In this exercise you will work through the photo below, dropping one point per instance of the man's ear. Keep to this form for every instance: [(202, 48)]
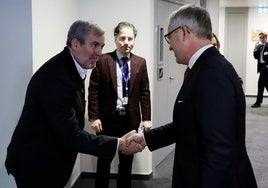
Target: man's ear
[(75, 43)]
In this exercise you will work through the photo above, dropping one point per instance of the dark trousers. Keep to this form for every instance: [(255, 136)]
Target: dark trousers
[(118, 127), (262, 83), (124, 171)]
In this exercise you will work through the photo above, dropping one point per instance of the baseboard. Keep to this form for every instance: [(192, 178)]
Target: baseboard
[(264, 96), (113, 176), (251, 96)]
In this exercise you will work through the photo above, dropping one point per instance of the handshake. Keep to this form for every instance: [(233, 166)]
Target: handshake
[(131, 143)]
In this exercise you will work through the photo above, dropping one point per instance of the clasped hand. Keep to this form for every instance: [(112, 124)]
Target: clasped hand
[(131, 143)]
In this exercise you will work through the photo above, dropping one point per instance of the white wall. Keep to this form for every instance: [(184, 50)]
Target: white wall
[(49, 37), (15, 71), (51, 22), (33, 33), (255, 21), (213, 8), (140, 13)]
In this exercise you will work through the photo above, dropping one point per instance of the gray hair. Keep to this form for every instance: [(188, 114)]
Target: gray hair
[(195, 18), (81, 29), (121, 25)]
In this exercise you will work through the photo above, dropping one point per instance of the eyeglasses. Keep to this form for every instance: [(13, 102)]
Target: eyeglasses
[(167, 36)]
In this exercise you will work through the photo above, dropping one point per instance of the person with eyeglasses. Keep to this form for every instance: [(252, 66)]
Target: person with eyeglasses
[(261, 68), (208, 124), (119, 100)]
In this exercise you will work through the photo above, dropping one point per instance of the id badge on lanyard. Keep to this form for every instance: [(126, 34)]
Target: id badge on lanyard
[(125, 78), (125, 100)]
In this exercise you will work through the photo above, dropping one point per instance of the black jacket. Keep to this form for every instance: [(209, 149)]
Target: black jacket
[(208, 128), (50, 132)]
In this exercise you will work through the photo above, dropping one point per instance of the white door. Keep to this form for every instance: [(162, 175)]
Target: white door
[(166, 88), (236, 20)]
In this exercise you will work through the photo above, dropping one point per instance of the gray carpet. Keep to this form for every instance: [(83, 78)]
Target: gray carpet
[(257, 140), (257, 145)]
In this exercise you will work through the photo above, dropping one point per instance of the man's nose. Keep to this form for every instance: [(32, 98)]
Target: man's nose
[(126, 41), (98, 51)]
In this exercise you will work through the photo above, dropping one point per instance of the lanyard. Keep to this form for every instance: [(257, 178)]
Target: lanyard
[(125, 76)]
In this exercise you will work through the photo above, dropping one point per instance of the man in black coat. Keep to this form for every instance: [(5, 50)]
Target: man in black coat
[(49, 134), (209, 113), (262, 69)]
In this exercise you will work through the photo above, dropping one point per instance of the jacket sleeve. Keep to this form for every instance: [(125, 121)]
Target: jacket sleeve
[(256, 52), (93, 93), (160, 137), (145, 95), (65, 113)]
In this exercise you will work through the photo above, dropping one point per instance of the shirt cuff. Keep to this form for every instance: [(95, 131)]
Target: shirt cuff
[(117, 145), (144, 138)]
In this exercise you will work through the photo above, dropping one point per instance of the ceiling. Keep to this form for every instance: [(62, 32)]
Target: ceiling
[(244, 3), (227, 3)]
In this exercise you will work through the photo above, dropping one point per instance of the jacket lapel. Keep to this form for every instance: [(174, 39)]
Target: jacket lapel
[(133, 70), (112, 69)]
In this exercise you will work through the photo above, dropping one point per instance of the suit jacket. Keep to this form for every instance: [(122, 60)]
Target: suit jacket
[(103, 90), (208, 128), (265, 53), (50, 131), (256, 53)]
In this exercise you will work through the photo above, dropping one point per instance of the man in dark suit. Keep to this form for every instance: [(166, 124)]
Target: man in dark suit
[(50, 133), (209, 113), (265, 69), (261, 68), (119, 98)]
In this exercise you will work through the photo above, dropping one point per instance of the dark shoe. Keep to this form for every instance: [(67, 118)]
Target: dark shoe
[(256, 105)]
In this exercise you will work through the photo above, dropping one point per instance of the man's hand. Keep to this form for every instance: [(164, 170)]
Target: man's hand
[(146, 125), (96, 125), (136, 138), (131, 147)]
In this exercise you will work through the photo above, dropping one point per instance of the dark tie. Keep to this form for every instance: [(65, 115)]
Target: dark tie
[(125, 77), (186, 72)]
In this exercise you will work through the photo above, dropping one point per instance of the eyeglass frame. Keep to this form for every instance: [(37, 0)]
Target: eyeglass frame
[(166, 36)]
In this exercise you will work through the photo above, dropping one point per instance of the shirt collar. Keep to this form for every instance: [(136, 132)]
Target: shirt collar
[(197, 55), (82, 72), (119, 55)]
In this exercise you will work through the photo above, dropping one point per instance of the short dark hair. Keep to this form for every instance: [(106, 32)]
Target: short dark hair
[(121, 25), (262, 33)]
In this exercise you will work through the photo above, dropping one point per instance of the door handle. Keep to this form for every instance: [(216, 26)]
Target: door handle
[(171, 78)]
